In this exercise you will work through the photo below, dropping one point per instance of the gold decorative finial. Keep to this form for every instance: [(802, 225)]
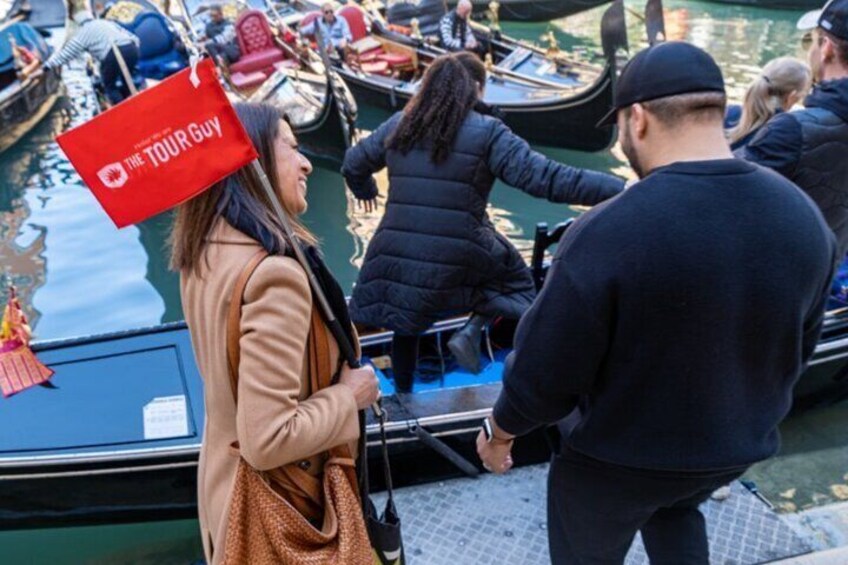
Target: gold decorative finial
[(416, 29), (494, 16), (488, 62), (553, 44)]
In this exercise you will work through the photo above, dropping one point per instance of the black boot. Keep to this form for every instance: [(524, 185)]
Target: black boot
[(465, 343)]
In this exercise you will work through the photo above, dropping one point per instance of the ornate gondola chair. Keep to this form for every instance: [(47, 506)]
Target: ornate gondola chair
[(545, 238), (159, 52), (260, 54), (373, 55)]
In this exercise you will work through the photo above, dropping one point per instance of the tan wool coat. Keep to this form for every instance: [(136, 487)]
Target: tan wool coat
[(275, 423)]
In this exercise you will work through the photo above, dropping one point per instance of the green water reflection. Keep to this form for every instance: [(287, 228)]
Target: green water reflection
[(80, 275)]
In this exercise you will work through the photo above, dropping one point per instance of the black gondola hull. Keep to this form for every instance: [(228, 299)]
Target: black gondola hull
[(531, 11), (23, 110), (156, 479), (566, 123)]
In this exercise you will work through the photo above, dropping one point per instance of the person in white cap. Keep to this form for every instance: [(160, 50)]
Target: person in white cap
[(809, 146)]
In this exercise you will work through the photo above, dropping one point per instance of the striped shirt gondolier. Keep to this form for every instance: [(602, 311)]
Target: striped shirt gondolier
[(95, 37), (446, 30)]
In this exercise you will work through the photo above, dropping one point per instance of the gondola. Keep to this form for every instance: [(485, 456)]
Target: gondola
[(116, 436), (536, 11), (775, 4), (319, 105), (549, 100), (24, 101)]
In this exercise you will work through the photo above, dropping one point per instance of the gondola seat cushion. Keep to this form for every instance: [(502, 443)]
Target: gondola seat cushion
[(395, 60), (375, 67), (158, 53), (355, 17), (256, 42), (243, 81), (258, 61)]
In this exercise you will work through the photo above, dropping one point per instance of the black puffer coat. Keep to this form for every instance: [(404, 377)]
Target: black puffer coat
[(436, 253)]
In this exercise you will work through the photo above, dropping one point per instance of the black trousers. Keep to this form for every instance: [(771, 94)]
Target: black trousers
[(114, 84), (595, 510), (404, 361)]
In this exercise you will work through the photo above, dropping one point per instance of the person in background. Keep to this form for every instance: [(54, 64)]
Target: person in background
[(809, 146), (436, 253), (220, 34), (656, 324), (278, 420), (783, 82), (97, 37), (335, 31), (455, 31)]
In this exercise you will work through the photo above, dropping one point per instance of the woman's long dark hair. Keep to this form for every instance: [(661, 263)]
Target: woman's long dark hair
[(437, 110), (239, 198)]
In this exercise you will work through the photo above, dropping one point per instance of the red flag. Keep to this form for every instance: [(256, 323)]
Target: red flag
[(161, 147)]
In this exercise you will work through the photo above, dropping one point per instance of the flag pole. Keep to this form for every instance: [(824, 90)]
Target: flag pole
[(345, 346)]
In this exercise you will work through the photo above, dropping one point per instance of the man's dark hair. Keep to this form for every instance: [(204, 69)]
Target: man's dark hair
[(692, 107), (841, 46), (437, 111)]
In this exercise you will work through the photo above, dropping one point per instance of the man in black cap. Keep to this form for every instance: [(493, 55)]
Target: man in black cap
[(809, 146), (657, 324)]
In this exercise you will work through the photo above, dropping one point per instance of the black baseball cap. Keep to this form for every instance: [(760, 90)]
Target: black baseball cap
[(833, 18), (665, 69)]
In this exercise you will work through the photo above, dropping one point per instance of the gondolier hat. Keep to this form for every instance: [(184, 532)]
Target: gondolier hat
[(833, 18), (665, 69)]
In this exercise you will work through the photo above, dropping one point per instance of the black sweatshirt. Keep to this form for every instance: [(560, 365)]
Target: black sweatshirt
[(678, 315)]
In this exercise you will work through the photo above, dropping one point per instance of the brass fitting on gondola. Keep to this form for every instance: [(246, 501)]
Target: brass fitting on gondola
[(488, 62), (494, 15), (553, 45), (416, 29)]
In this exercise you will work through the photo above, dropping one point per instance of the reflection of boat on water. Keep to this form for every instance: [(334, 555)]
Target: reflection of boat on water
[(24, 100), (551, 100), (134, 457)]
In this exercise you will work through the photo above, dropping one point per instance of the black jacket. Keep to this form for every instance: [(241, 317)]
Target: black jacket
[(679, 316), (435, 252), (809, 147)]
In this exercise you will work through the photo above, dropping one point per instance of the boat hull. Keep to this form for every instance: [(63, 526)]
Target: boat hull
[(567, 122), (64, 472), (23, 110), (775, 4), (529, 11)]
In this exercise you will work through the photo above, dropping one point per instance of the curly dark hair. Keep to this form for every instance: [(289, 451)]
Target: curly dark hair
[(473, 65), (437, 110)]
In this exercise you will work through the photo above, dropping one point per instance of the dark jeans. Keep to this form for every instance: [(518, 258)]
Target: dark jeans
[(114, 83), (404, 361), (229, 52), (596, 508)]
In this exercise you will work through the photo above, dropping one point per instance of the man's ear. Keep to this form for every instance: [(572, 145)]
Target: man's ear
[(638, 121), (828, 49)]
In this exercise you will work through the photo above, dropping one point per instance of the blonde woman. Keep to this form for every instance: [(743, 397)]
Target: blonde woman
[(784, 82)]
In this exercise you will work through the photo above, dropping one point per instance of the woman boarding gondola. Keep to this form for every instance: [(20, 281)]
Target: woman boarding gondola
[(436, 253)]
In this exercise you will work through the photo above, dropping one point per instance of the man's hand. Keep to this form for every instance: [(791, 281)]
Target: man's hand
[(472, 44), (496, 454), (368, 205)]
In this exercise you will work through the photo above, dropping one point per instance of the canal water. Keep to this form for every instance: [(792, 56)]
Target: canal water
[(79, 275)]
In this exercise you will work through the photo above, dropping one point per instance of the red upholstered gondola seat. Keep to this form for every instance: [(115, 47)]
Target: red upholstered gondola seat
[(243, 81), (256, 42), (370, 54)]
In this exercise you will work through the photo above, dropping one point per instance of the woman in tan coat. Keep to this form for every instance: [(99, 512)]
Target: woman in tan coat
[(277, 420)]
